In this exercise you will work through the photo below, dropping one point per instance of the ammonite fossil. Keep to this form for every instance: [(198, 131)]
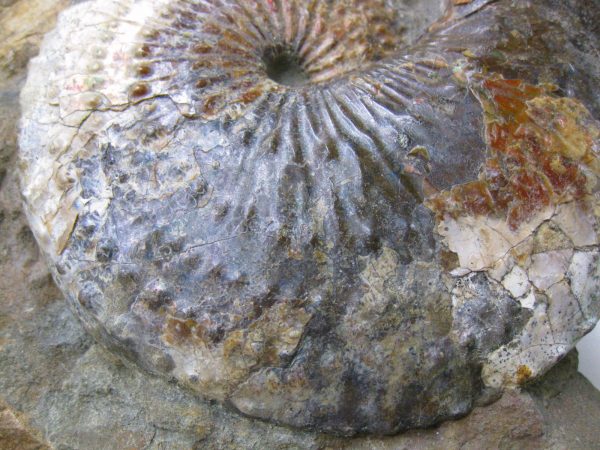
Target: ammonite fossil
[(356, 216)]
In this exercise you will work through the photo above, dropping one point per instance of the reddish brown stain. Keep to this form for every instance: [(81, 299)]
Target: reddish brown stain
[(202, 49), (185, 331), (177, 331), (144, 70), (139, 90), (538, 147), (143, 51), (523, 374), (251, 95), (202, 83), (210, 104)]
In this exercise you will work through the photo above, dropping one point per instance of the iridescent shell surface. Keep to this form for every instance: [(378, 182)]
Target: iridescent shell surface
[(355, 216)]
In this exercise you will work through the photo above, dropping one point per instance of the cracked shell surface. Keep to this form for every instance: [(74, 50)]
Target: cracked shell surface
[(356, 217)]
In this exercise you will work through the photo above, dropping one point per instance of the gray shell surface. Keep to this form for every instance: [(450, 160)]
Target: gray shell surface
[(352, 216)]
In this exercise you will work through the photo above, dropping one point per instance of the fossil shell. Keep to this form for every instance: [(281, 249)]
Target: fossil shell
[(352, 216)]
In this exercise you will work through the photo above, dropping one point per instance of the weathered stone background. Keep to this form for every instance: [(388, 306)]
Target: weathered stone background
[(60, 390)]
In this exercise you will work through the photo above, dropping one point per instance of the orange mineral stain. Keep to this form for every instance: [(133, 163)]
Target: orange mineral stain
[(540, 153)]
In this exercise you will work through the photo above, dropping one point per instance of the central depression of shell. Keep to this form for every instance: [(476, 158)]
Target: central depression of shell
[(305, 211), (223, 56)]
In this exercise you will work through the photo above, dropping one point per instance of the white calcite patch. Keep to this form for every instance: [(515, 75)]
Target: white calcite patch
[(577, 223), (527, 356), (529, 300), (516, 282), (564, 296), (564, 313), (377, 278), (549, 268), (584, 274), (481, 241), (559, 284), (501, 268)]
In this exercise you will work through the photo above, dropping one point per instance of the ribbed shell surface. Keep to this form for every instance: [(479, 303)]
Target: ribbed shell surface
[(352, 216)]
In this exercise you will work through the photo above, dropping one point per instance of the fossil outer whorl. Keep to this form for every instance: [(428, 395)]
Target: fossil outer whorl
[(307, 211)]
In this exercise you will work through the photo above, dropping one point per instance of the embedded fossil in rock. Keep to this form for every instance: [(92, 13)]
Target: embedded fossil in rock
[(351, 216)]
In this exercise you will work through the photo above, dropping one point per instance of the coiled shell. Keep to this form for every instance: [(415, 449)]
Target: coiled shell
[(354, 216)]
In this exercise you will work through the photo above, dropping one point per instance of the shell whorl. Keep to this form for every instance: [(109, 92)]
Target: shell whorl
[(257, 198)]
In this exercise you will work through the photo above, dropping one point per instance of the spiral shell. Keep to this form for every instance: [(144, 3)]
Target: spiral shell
[(352, 216)]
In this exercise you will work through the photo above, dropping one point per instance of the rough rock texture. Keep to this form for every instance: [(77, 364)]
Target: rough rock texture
[(16, 435), (306, 212)]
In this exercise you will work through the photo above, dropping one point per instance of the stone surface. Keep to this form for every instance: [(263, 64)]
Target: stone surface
[(14, 435), (63, 390), (310, 214)]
